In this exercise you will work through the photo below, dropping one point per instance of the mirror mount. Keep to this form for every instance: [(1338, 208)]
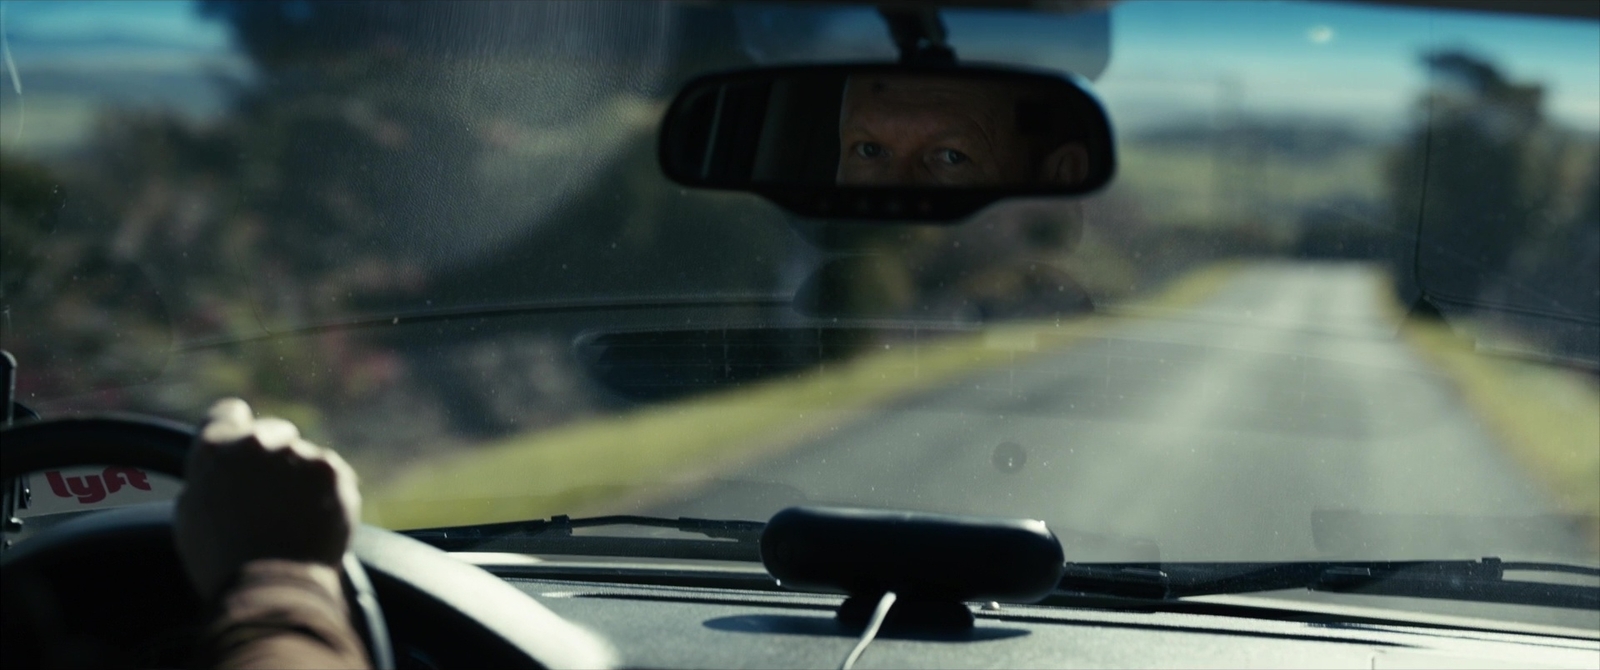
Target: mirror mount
[(919, 34)]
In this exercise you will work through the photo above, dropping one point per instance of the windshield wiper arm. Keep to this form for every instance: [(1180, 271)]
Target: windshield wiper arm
[(1479, 581), (726, 539)]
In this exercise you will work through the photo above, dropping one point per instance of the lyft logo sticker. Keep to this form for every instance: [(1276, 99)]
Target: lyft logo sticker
[(95, 487)]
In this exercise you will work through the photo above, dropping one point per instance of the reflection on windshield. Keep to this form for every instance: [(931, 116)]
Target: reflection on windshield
[(445, 250)]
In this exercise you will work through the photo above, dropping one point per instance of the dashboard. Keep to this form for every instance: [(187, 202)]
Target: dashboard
[(707, 627), (131, 606)]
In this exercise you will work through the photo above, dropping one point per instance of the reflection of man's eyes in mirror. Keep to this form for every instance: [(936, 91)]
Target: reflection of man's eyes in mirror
[(947, 131), (952, 157), (941, 156), (943, 164), (869, 150)]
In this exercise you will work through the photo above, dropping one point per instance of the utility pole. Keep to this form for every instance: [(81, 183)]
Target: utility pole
[(1224, 196)]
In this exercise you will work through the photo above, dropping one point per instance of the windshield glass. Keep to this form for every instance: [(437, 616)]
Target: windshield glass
[(435, 236)]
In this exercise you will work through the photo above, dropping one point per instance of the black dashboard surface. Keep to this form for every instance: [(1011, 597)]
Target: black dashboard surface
[(722, 614), (684, 627)]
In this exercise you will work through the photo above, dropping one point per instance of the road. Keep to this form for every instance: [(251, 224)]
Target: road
[(1218, 432)]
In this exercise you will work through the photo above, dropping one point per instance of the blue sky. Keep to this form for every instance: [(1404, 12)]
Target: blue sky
[(1168, 60), (172, 22), (1344, 59), (1183, 59), (139, 34)]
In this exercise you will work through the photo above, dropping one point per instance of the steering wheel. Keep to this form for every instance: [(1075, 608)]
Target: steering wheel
[(528, 634)]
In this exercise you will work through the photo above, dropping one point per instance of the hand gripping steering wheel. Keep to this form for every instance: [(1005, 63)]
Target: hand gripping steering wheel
[(449, 607), (158, 446)]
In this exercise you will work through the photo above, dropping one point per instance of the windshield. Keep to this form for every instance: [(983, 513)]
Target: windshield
[(435, 236)]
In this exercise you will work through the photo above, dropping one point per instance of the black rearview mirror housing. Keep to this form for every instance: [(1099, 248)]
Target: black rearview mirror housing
[(888, 141)]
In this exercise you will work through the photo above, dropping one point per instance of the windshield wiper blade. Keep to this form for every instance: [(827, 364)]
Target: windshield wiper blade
[(1478, 581), (726, 539)]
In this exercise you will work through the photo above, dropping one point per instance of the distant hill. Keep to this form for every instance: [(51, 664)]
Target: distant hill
[(1302, 138)]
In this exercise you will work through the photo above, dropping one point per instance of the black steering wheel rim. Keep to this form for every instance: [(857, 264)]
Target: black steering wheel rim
[(161, 446), (155, 444)]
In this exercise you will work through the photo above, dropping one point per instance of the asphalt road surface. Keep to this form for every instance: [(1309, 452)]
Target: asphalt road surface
[(1280, 420)]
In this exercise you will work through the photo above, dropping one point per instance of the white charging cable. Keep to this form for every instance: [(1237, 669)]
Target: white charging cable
[(878, 615)]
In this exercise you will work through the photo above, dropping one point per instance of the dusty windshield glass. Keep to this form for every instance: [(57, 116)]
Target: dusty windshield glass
[(435, 236)]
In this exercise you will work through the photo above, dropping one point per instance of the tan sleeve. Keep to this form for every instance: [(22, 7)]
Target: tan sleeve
[(279, 615)]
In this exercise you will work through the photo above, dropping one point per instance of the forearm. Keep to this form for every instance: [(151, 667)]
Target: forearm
[(282, 614)]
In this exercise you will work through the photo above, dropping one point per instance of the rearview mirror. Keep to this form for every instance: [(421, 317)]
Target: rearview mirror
[(888, 141)]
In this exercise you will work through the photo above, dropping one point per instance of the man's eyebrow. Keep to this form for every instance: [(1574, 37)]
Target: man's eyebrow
[(970, 131), (855, 128), (964, 134)]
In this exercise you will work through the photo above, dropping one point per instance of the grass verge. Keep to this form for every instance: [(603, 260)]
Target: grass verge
[(1547, 417), (565, 468)]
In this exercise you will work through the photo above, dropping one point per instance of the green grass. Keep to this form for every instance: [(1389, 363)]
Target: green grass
[(1182, 185), (1547, 417), (581, 464)]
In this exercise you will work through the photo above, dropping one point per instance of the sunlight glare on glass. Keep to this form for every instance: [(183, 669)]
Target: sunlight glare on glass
[(1320, 34)]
